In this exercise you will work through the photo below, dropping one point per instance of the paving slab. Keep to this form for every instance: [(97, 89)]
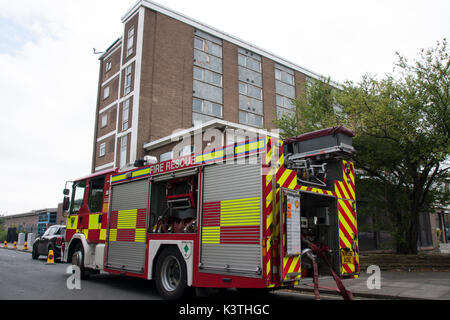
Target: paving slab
[(395, 285)]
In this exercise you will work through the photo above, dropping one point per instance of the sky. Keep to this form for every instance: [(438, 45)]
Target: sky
[(49, 72)]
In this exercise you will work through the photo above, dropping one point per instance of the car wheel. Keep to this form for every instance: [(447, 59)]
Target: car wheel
[(171, 275), (78, 260), (34, 253)]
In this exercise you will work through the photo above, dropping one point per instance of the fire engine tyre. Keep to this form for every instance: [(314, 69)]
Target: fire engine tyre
[(78, 260), (171, 275)]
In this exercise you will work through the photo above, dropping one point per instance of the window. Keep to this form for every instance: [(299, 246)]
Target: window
[(106, 93), (208, 47), (277, 74), (248, 62), (251, 107), (95, 200), (102, 149), (186, 150), (249, 90), (284, 76), (104, 120), (123, 151), (250, 119), (284, 102), (285, 90), (128, 79), (207, 76), (130, 42), (207, 107), (199, 118), (77, 196), (198, 43), (125, 113), (53, 220), (50, 231), (108, 65), (166, 156), (207, 73)]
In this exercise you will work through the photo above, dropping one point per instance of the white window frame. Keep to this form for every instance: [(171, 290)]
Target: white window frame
[(123, 150), (205, 47), (108, 65), (102, 150), (166, 156), (106, 93), (128, 73), (104, 120), (130, 41), (247, 118), (125, 114), (203, 108), (246, 63)]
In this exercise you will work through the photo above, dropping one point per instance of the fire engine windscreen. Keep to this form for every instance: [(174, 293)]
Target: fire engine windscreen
[(173, 206)]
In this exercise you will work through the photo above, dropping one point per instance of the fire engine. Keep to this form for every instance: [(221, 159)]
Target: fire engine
[(258, 213)]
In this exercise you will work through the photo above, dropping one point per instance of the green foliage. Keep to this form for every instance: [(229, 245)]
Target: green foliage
[(402, 132), (314, 109)]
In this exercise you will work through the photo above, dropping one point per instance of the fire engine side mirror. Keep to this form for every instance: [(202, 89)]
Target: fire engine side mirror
[(66, 192), (66, 203)]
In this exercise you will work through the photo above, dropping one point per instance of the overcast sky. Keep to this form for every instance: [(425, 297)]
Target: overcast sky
[(49, 74)]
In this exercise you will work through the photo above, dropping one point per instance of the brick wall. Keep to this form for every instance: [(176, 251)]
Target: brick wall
[(166, 78)]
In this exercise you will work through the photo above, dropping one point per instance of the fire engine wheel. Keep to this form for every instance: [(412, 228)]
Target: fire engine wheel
[(78, 260), (171, 274)]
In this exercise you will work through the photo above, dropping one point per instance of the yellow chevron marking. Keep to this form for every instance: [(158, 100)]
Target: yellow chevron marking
[(344, 239), (347, 228), (347, 211), (344, 193), (293, 182), (283, 177), (269, 199)]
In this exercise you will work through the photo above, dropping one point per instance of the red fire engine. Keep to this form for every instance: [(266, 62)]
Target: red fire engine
[(260, 213)]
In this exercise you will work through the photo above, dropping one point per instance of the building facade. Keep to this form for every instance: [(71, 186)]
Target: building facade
[(36, 221), (168, 72)]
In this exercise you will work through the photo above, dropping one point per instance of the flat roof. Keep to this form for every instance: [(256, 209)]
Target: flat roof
[(220, 34), (215, 123), (31, 213)]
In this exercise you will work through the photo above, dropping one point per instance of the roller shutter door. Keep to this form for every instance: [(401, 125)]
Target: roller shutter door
[(231, 219), (127, 226)]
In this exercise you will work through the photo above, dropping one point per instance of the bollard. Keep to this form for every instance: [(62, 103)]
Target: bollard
[(25, 247), (15, 245), (6, 244), (50, 257)]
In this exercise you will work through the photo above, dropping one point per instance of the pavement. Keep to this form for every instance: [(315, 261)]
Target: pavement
[(399, 285)]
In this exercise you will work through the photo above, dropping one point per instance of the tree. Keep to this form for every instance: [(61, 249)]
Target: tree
[(402, 132)]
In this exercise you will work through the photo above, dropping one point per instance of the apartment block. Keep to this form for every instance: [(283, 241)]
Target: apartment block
[(168, 71)]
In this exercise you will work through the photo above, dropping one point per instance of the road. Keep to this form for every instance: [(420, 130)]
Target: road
[(22, 278)]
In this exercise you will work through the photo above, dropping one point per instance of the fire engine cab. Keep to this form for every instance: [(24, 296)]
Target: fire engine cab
[(256, 213)]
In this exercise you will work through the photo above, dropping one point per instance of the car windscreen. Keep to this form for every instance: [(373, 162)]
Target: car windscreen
[(50, 231)]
